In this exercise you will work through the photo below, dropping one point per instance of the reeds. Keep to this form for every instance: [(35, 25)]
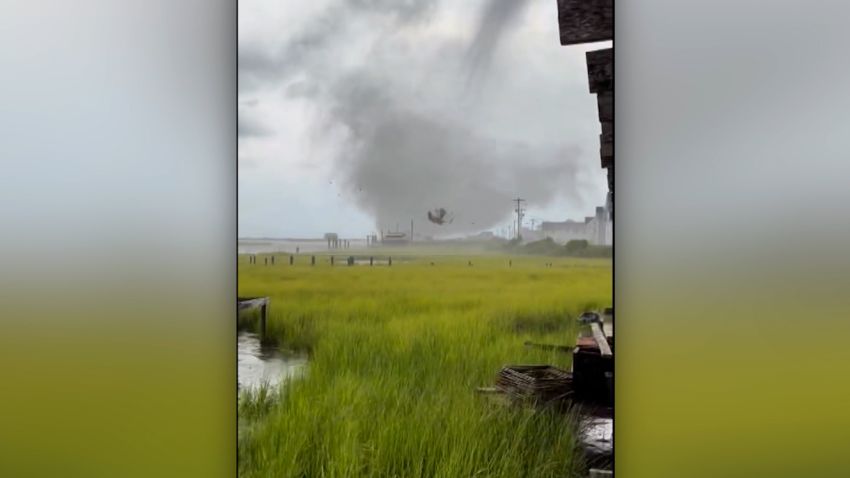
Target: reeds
[(395, 356)]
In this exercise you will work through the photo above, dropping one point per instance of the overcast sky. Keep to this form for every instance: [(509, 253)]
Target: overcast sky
[(362, 114)]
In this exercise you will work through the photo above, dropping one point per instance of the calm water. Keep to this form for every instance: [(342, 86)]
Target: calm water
[(259, 364), (597, 435)]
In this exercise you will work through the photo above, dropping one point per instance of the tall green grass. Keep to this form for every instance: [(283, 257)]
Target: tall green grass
[(396, 353)]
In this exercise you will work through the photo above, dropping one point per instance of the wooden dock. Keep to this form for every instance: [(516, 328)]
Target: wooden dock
[(249, 303)]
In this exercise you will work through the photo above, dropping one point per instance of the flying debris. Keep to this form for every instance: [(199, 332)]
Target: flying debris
[(440, 216)]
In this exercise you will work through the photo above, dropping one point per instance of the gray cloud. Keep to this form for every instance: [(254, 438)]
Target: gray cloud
[(249, 127), (401, 162), (258, 65), (416, 138), (495, 20)]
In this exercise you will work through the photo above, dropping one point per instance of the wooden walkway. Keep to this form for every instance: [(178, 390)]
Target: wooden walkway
[(248, 303)]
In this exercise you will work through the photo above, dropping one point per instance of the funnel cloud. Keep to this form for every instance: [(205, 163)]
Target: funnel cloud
[(421, 105)]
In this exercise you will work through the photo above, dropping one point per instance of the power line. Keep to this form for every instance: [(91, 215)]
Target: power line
[(519, 213)]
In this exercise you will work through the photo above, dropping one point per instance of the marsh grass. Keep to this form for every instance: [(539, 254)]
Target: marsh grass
[(256, 402), (395, 355)]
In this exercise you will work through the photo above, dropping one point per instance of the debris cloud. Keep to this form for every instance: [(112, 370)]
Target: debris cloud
[(411, 138)]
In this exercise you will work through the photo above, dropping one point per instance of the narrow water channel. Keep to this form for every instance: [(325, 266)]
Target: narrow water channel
[(259, 364), (597, 438)]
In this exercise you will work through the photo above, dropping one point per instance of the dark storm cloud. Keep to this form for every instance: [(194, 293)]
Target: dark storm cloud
[(401, 162), (407, 153), (259, 65)]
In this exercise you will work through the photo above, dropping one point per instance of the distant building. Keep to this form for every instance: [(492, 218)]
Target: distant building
[(595, 229), (532, 235)]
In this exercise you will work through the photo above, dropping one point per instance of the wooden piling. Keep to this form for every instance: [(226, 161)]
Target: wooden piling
[(263, 314)]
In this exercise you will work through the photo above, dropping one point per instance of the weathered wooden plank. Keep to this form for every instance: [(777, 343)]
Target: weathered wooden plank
[(245, 303), (584, 21), (605, 103), (251, 302), (599, 337), (600, 70)]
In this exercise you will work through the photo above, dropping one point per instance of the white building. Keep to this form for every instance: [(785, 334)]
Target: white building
[(596, 229)]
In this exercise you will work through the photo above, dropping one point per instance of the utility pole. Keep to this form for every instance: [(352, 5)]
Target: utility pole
[(519, 213)]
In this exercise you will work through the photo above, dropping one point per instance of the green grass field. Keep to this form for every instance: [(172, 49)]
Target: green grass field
[(396, 353)]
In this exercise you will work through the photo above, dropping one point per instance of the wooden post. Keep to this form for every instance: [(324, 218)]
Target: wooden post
[(390, 261), (312, 260), (265, 261), (263, 314), (272, 260), (332, 260), (371, 260), (291, 259)]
